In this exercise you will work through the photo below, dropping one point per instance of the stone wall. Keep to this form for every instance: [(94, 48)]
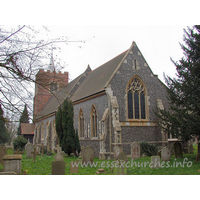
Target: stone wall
[(155, 88)]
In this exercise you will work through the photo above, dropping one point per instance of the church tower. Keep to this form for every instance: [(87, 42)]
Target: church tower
[(47, 83)]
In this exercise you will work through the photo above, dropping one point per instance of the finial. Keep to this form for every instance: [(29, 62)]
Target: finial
[(51, 64)]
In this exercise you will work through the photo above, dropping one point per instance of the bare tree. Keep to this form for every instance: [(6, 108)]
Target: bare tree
[(23, 51)]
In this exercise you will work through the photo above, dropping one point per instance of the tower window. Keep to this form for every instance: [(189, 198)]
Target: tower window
[(53, 87)]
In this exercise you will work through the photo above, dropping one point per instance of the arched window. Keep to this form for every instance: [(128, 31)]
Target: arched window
[(81, 123), (93, 122), (53, 86), (136, 99)]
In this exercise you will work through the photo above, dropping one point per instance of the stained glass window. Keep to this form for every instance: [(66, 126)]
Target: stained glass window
[(142, 100), (136, 100), (130, 105), (81, 121), (94, 122)]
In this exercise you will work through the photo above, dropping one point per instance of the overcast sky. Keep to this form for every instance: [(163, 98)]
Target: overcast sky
[(157, 43)]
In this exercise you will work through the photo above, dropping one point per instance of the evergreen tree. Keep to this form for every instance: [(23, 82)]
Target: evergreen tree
[(4, 135), (23, 119), (183, 117), (65, 128), (59, 124)]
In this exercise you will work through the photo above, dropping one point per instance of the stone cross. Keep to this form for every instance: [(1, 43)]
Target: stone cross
[(34, 154), (18, 152), (58, 156)]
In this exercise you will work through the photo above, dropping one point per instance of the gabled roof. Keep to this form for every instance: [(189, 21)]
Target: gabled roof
[(96, 80), (56, 100), (27, 129), (87, 84)]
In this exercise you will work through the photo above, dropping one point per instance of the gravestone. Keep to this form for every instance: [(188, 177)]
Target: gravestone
[(118, 168), (116, 151), (135, 150), (87, 155), (34, 154), (8, 173), (171, 145), (122, 157), (178, 150), (3, 152), (29, 149), (58, 166), (18, 152), (155, 162), (159, 153), (190, 149), (12, 163), (58, 156), (74, 168), (198, 153), (165, 154)]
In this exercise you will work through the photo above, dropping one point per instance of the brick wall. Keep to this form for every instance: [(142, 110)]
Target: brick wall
[(42, 87)]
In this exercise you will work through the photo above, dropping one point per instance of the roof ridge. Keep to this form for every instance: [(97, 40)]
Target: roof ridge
[(109, 61)]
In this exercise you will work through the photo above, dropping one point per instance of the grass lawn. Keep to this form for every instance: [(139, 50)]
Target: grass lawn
[(140, 166)]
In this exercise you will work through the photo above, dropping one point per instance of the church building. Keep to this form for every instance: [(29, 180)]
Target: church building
[(114, 105)]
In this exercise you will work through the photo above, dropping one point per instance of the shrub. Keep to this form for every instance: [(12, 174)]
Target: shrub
[(19, 143), (148, 149)]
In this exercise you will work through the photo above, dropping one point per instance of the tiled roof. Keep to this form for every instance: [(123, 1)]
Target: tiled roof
[(27, 129), (94, 82)]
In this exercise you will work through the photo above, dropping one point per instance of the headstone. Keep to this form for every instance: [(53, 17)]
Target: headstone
[(74, 167), (18, 152), (122, 157), (116, 151), (170, 144), (87, 155), (165, 154), (34, 154), (135, 150), (82, 147), (159, 153), (178, 150), (12, 163), (155, 162), (29, 149), (38, 149), (118, 168), (190, 149), (8, 173), (58, 156), (3, 152), (58, 168)]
